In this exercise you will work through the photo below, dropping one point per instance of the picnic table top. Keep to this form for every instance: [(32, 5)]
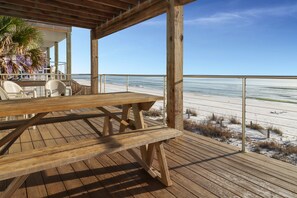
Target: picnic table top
[(42, 105)]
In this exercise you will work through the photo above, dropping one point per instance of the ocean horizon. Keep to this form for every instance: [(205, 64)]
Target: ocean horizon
[(278, 90)]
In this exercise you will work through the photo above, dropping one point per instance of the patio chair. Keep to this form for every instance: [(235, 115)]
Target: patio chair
[(4, 96), (14, 91), (55, 88)]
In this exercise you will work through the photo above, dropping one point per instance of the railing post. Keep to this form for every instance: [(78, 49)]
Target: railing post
[(243, 113), (101, 83), (104, 83), (127, 83), (164, 100)]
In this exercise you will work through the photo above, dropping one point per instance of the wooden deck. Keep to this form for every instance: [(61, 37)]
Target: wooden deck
[(200, 167)]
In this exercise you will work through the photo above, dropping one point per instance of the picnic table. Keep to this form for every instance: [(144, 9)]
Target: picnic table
[(20, 165)]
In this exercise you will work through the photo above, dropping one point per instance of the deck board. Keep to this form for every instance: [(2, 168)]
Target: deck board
[(199, 166)]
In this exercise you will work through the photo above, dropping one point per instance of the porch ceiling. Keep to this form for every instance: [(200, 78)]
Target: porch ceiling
[(106, 16)]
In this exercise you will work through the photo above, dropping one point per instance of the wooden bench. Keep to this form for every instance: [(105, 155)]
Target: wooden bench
[(20, 165)]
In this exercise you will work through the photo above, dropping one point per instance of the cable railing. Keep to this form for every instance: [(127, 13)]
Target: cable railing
[(270, 101), (265, 100)]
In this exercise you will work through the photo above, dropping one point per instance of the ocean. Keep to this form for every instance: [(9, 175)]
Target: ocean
[(278, 90)]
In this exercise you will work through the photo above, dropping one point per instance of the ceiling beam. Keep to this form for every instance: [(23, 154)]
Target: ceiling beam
[(133, 2), (90, 5), (113, 3), (137, 14), (143, 11), (42, 18), (70, 7), (106, 16), (56, 10), (31, 11)]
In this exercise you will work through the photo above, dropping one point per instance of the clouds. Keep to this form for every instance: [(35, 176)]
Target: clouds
[(154, 22), (218, 18), (244, 16), (240, 17)]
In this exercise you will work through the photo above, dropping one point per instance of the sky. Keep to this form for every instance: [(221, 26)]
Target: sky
[(230, 37)]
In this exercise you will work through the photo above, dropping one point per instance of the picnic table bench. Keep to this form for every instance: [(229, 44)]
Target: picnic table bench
[(150, 140)]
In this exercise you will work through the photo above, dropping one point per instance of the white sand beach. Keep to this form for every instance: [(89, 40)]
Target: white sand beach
[(265, 113)]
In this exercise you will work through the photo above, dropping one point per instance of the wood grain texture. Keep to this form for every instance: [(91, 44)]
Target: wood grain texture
[(15, 123), (15, 184), (94, 63), (175, 20), (138, 14), (12, 137), (19, 164), (199, 167), (31, 106), (165, 175), (125, 117), (89, 14)]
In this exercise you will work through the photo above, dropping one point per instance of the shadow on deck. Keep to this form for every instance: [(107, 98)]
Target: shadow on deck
[(199, 167)]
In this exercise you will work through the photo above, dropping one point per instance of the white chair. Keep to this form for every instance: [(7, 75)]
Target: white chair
[(14, 91), (55, 88), (3, 94)]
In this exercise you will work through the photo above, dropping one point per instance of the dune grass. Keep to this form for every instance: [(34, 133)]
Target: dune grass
[(191, 112), (255, 126), (281, 150), (234, 120), (275, 130), (153, 113), (208, 129)]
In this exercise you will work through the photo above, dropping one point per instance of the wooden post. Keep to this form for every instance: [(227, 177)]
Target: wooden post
[(48, 64), (175, 66), (48, 55), (68, 54), (94, 63), (56, 58)]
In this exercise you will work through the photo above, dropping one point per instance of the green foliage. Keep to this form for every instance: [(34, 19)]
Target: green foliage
[(18, 38)]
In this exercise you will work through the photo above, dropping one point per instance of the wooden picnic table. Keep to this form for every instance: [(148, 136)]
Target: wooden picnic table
[(45, 105), (150, 140), (42, 106)]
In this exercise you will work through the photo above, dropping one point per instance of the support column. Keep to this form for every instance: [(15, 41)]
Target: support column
[(94, 63), (48, 63), (68, 55), (175, 66), (48, 55), (56, 57)]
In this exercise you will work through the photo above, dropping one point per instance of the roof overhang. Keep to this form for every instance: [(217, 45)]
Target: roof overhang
[(105, 16), (51, 33)]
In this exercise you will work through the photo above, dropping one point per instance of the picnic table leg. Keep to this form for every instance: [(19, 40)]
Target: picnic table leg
[(10, 138), (139, 124), (165, 176), (123, 123), (13, 186), (107, 126), (125, 117), (150, 154)]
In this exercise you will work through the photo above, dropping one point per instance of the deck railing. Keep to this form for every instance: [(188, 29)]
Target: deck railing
[(270, 101)]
